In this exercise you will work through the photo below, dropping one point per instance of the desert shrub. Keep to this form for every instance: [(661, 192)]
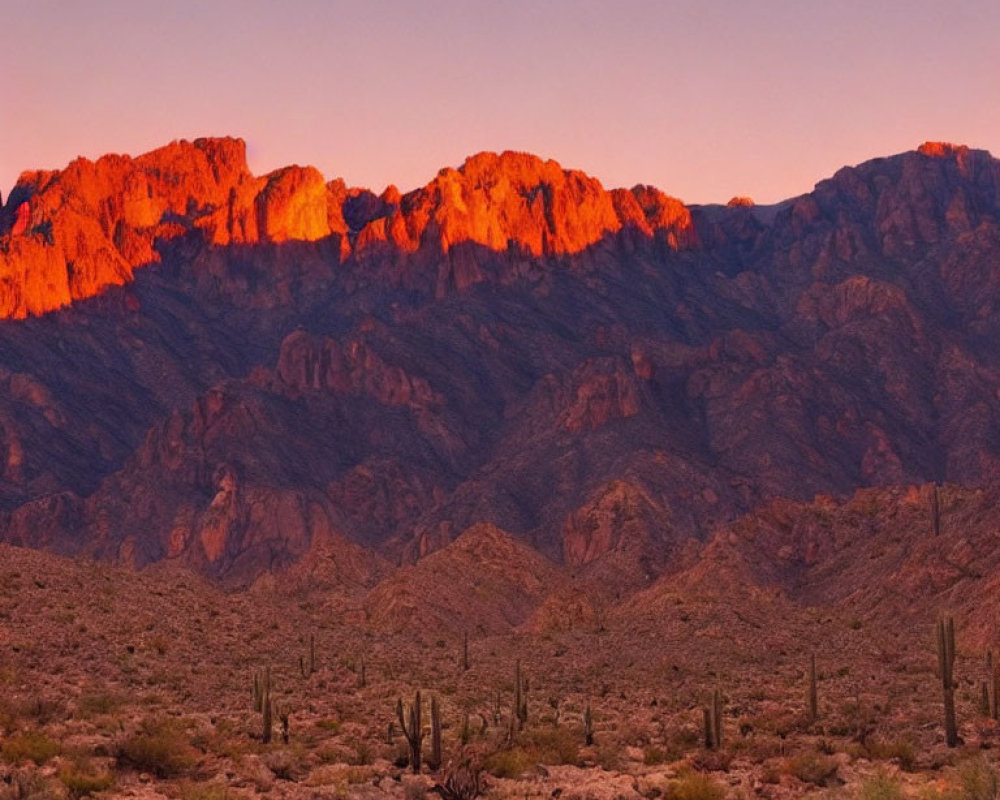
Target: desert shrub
[(363, 754), (28, 785), (329, 753), (771, 772), (42, 710), (82, 779), (536, 746), (695, 786), (190, 790), (652, 755), (28, 746), (680, 742), (509, 763), (286, 763), (414, 790), (159, 746), (978, 780), (881, 787), (94, 703), (901, 749), (812, 768), (711, 760), (331, 725), (608, 753), (461, 782)]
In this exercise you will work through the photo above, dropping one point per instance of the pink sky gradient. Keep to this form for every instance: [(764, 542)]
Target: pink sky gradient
[(703, 99)]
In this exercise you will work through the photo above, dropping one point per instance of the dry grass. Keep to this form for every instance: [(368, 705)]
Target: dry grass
[(160, 746)]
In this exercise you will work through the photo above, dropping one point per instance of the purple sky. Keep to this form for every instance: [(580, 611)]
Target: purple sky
[(703, 99)]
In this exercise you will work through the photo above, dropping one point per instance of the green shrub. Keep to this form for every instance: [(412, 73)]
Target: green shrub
[(159, 746), (509, 763), (81, 779), (203, 791), (812, 768), (29, 746), (652, 755), (95, 703), (695, 786), (881, 787), (978, 780), (901, 749), (536, 746)]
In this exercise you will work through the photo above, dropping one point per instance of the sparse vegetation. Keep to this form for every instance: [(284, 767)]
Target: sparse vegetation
[(82, 779), (642, 713), (695, 786), (812, 767), (881, 786), (160, 746), (32, 745)]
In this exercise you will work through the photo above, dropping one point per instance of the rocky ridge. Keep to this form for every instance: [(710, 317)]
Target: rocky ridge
[(232, 370)]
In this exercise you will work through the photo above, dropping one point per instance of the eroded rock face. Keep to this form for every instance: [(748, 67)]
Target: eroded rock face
[(72, 233), (77, 231), (618, 517), (608, 375), (485, 581)]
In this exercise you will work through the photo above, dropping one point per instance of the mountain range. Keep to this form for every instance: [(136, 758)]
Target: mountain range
[(247, 373)]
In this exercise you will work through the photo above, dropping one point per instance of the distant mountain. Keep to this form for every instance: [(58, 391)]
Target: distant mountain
[(237, 371)]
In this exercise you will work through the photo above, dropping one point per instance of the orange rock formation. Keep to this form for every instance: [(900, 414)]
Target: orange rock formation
[(74, 232)]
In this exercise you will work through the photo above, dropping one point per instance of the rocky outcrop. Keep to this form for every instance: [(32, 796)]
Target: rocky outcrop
[(618, 517), (484, 582), (82, 229), (72, 233), (307, 363)]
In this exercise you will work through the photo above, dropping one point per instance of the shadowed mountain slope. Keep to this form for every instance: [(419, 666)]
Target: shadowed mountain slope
[(204, 365)]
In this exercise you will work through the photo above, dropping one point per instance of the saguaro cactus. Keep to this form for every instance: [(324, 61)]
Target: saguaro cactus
[(713, 722), (813, 695), (434, 762), (520, 697), (935, 510), (995, 680), (283, 717), (946, 663), (266, 708), (412, 730)]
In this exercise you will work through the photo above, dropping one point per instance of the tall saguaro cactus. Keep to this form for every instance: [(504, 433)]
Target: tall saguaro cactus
[(935, 510), (266, 708), (520, 697), (412, 730), (434, 762), (995, 681), (946, 664), (713, 722), (813, 694)]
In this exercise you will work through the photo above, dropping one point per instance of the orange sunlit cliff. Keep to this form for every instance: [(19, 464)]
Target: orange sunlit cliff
[(70, 233)]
